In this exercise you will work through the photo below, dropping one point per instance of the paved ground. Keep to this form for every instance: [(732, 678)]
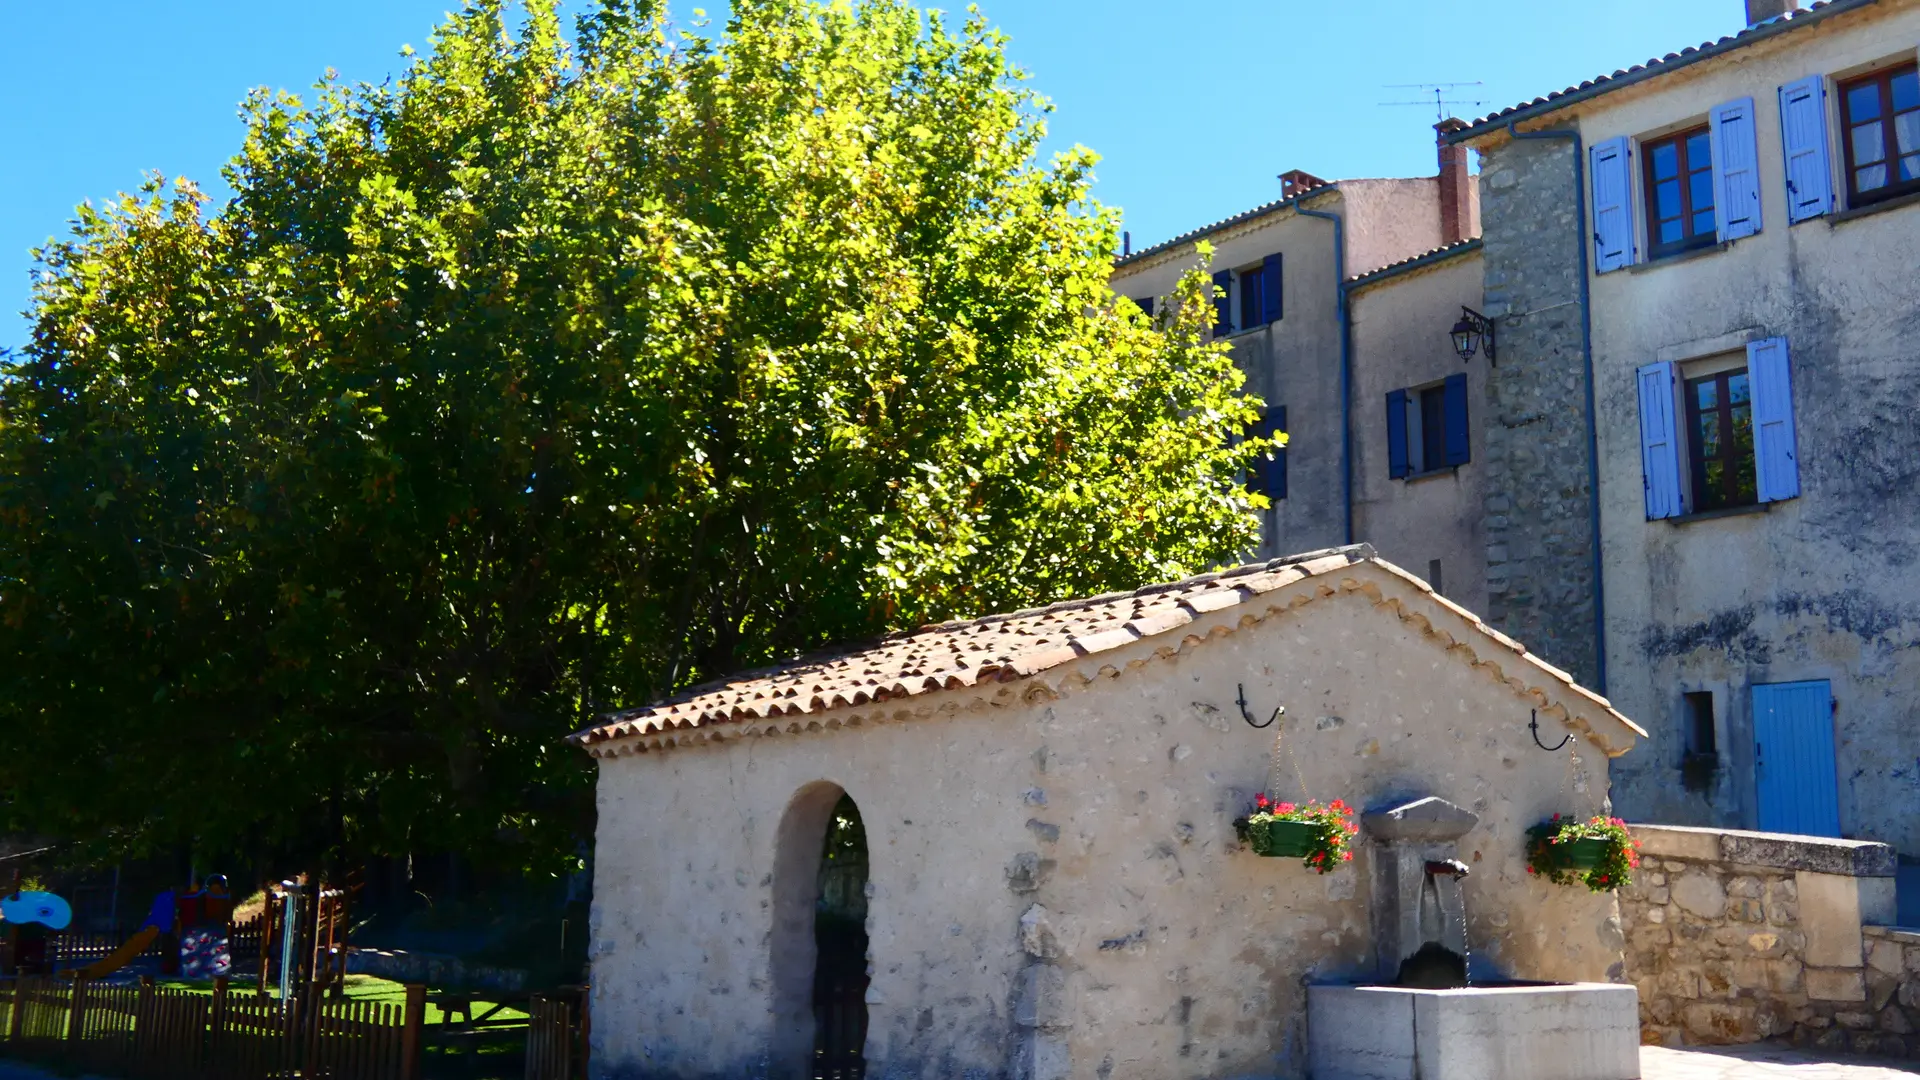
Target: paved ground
[(1759, 1063), (1656, 1063)]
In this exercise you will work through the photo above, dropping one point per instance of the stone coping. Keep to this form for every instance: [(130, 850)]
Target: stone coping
[(1783, 851), (1906, 935)]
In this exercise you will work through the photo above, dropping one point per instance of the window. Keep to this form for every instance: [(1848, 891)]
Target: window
[(1720, 440), (1252, 310), (1427, 428), (1720, 434), (1146, 305), (1700, 760), (1268, 474), (1881, 116), (1700, 736), (1679, 191)]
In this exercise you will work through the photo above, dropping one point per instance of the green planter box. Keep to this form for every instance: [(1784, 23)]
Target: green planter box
[(1585, 854), (1284, 839)]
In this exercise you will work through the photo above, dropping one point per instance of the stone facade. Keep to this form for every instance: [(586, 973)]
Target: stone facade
[(1738, 937), (1056, 889), (1704, 609), (1538, 496)]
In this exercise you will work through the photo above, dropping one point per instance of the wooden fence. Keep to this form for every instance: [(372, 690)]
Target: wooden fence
[(557, 1035), (146, 1032)]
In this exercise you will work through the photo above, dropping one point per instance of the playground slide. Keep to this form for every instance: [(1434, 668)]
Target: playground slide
[(121, 956)]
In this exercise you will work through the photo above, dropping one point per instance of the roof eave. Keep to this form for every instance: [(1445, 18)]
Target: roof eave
[(1620, 80)]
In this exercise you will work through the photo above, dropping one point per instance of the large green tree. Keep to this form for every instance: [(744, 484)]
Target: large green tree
[(563, 372)]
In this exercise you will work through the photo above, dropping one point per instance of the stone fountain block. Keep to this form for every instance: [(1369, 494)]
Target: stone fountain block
[(1556, 1031), (1410, 907)]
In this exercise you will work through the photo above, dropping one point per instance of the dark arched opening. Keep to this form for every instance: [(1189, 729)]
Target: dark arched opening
[(819, 937), (840, 941)]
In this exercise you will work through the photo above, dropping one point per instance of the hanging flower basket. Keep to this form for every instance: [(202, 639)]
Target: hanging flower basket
[(1599, 853), (1319, 836)]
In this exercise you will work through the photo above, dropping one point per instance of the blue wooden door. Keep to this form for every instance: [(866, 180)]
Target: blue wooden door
[(1793, 755)]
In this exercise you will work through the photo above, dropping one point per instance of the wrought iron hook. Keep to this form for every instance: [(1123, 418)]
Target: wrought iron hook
[(1248, 717), (1534, 726)]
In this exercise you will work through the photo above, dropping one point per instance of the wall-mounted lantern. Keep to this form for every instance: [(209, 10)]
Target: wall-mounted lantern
[(1468, 333)]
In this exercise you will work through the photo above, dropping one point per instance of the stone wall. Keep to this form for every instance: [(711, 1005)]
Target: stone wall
[(1736, 937), (1539, 524)]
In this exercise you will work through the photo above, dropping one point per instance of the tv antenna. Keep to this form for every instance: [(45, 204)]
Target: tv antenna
[(1445, 96)]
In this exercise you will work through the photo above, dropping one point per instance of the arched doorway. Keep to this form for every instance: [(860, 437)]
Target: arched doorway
[(819, 937), (840, 943)]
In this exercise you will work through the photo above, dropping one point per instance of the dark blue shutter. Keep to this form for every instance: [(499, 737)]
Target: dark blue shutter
[(1146, 306), (1397, 434), (1277, 468), (1222, 308), (1459, 451), (1270, 307)]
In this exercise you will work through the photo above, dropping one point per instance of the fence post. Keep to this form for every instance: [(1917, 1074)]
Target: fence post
[(16, 1011), (416, 1016), (586, 1028), (77, 1012)]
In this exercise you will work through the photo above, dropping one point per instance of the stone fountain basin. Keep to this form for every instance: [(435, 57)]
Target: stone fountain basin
[(1542, 1031)]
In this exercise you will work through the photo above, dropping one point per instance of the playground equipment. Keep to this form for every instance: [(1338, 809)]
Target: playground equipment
[(30, 915), (43, 908)]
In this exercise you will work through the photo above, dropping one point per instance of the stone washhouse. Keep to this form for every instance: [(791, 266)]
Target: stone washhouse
[(1003, 847)]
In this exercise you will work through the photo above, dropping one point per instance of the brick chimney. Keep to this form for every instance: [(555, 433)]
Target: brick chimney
[(1456, 187), (1295, 182), (1759, 11)]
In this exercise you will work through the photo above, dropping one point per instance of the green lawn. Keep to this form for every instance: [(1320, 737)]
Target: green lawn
[(368, 988)]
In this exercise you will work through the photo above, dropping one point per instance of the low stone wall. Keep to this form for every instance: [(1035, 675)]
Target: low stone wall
[(434, 970), (1737, 937)]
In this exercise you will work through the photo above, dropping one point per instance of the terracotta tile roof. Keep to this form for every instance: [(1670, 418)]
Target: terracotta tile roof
[(1539, 106), (1018, 646), (1239, 218), (1445, 251)]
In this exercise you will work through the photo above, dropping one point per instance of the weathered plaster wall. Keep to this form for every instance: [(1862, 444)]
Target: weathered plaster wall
[(1734, 937), (1819, 587), (1538, 521), (1292, 363), (1389, 220), (1057, 890), (1400, 339)]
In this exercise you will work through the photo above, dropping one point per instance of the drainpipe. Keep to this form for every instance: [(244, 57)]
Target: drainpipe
[(1346, 359), (1586, 352)]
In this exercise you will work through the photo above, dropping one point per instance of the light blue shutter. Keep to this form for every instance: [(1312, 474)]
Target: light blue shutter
[(1776, 453), (1736, 169), (1799, 789), (1659, 449), (1612, 206), (1803, 142)]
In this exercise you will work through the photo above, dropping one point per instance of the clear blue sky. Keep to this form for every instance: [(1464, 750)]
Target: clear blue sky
[(1195, 110)]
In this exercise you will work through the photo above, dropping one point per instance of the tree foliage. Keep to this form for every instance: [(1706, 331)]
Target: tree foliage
[(560, 373)]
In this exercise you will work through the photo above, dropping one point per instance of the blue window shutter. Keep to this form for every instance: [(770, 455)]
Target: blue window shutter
[(1803, 142), (1270, 293), (1146, 306), (1736, 169), (1222, 306), (1776, 453), (1612, 206), (1397, 434), (1277, 468), (1659, 444), (1459, 449)]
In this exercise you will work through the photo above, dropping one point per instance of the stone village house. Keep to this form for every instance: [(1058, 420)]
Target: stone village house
[(1690, 476), (1704, 277), (1336, 300), (1018, 827)]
